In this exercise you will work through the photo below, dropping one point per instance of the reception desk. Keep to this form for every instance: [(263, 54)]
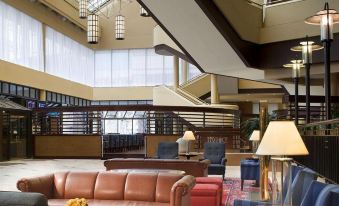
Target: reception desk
[(68, 146)]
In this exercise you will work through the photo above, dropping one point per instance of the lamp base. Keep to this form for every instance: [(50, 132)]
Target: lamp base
[(282, 160)]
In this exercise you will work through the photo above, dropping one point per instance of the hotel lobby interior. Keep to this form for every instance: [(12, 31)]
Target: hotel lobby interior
[(169, 102)]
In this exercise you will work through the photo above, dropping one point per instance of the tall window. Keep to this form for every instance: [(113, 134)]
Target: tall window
[(20, 38), (132, 67), (68, 59)]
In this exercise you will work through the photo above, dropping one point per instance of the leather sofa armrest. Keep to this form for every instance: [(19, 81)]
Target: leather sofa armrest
[(43, 185), (181, 191)]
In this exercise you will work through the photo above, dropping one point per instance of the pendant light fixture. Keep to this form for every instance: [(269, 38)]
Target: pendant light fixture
[(120, 25), (83, 10), (143, 12), (93, 28)]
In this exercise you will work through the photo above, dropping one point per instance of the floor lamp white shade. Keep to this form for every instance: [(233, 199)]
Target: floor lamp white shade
[(282, 138)]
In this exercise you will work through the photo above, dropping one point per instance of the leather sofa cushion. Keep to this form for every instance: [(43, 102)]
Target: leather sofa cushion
[(110, 186), (141, 187), (205, 190), (62, 202), (164, 185), (59, 184), (80, 184)]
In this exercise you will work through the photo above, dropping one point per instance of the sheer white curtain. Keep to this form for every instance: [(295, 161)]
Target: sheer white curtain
[(68, 59), (120, 71), (20, 38), (137, 67), (154, 68), (103, 69)]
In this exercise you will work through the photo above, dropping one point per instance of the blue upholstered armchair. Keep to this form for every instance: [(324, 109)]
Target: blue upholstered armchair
[(301, 181), (249, 170), (168, 150), (215, 152)]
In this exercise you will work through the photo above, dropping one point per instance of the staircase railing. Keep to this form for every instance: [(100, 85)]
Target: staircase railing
[(191, 97), (322, 142)]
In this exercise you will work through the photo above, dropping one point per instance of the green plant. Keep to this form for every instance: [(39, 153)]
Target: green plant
[(247, 127)]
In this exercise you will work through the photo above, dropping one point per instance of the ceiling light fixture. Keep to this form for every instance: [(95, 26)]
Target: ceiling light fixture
[(93, 29), (83, 9), (120, 25), (143, 12)]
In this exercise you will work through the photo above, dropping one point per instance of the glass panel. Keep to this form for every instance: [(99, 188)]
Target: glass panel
[(12, 90), (20, 91), (26, 92), (5, 88)]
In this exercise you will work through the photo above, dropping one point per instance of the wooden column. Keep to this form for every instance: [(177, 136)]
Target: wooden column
[(264, 160)]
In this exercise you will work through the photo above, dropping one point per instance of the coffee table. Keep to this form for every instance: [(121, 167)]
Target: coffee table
[(189, 155), (177, 172)]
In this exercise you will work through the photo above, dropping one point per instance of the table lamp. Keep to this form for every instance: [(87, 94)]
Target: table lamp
[(282, 139), (255, 137), (188, 136)]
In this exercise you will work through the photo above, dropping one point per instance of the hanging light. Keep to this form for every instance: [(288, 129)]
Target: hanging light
[(83, 11), (325, 18), (93, 28), (143, 12), (120, 26), (296, 65)]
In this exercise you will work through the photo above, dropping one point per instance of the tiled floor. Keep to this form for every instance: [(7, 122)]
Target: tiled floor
[(11, 171)]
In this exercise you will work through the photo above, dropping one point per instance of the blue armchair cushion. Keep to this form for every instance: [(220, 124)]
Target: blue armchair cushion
[(329, 196), (215, 152), (216, 169), (168, 150), (250, 170), (300, 185)]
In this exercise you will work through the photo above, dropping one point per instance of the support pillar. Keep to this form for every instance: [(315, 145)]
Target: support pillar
[(327, 78), (175, 72), (296, 102), (308, 94), (214, 89), (184, 71), (264, 160), (42, 95)]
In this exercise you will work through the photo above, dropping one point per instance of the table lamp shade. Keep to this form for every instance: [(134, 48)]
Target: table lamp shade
[(189, 135), (255, 136), (282, 139)]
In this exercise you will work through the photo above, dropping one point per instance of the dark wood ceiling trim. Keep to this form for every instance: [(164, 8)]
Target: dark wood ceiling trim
[(261, 56), (261, 90), (170, 35), (247, 51), (166, 50)]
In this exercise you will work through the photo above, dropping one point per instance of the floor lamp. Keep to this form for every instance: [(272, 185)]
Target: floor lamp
[(281, 140), (296, 65), (306, 48), (326, 18)]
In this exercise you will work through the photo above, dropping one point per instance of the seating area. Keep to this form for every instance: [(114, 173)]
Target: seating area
[(169, 102)]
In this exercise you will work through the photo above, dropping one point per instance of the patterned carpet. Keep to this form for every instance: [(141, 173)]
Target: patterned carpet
[(232, 190)]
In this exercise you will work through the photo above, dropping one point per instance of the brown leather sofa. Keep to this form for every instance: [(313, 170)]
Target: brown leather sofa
[(112, 188), (195, 168)]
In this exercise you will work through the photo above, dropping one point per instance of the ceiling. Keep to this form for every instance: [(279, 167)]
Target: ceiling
[(139, 30)]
